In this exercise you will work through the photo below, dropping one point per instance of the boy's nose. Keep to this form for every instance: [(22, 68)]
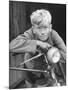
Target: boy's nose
[(42, 33)]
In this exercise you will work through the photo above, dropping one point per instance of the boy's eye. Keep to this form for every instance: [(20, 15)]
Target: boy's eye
[(42, 27)]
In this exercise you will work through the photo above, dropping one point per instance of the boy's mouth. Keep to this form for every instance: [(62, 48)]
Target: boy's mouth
[(43, 36)]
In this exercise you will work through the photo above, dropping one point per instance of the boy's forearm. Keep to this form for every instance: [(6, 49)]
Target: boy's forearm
[(27, 46)]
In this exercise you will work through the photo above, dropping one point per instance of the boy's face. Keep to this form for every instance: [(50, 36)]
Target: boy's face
[(42, 33)]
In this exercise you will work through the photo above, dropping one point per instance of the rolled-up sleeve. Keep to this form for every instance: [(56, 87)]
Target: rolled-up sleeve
[(58, 41), (23, 43)]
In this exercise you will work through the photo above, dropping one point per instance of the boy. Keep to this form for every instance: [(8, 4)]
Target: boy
[(39, 35)]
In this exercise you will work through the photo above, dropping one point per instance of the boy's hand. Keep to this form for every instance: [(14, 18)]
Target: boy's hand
[(43, 45)]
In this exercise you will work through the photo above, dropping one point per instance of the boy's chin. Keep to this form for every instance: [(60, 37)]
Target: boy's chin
[(43, 39)]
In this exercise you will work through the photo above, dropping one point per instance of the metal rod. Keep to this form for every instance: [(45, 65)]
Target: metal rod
[(32, 58), (23, 69)]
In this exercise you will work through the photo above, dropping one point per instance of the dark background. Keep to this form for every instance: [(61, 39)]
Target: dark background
[(19, 17)]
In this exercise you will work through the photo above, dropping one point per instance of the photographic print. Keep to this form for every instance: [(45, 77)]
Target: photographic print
[(37, 44)]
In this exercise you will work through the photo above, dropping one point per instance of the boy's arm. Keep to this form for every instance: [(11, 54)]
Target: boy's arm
[(59, 43), (23, 43)]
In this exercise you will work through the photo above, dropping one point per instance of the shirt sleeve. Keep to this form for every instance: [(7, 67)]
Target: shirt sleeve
[(58, 41), (23, 43)]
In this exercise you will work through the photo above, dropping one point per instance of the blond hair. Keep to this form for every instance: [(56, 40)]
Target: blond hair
[(41, 17)]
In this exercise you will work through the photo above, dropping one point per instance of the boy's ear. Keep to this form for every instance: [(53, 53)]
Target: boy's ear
[(33, 29)]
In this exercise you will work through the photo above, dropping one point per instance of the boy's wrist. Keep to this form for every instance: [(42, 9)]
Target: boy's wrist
[(39, 42)]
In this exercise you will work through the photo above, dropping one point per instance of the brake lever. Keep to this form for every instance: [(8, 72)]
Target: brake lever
[(33, 58)]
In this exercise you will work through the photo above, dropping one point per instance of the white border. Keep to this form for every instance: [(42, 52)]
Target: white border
[(4, 37), (4, 42), (46, 1)]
